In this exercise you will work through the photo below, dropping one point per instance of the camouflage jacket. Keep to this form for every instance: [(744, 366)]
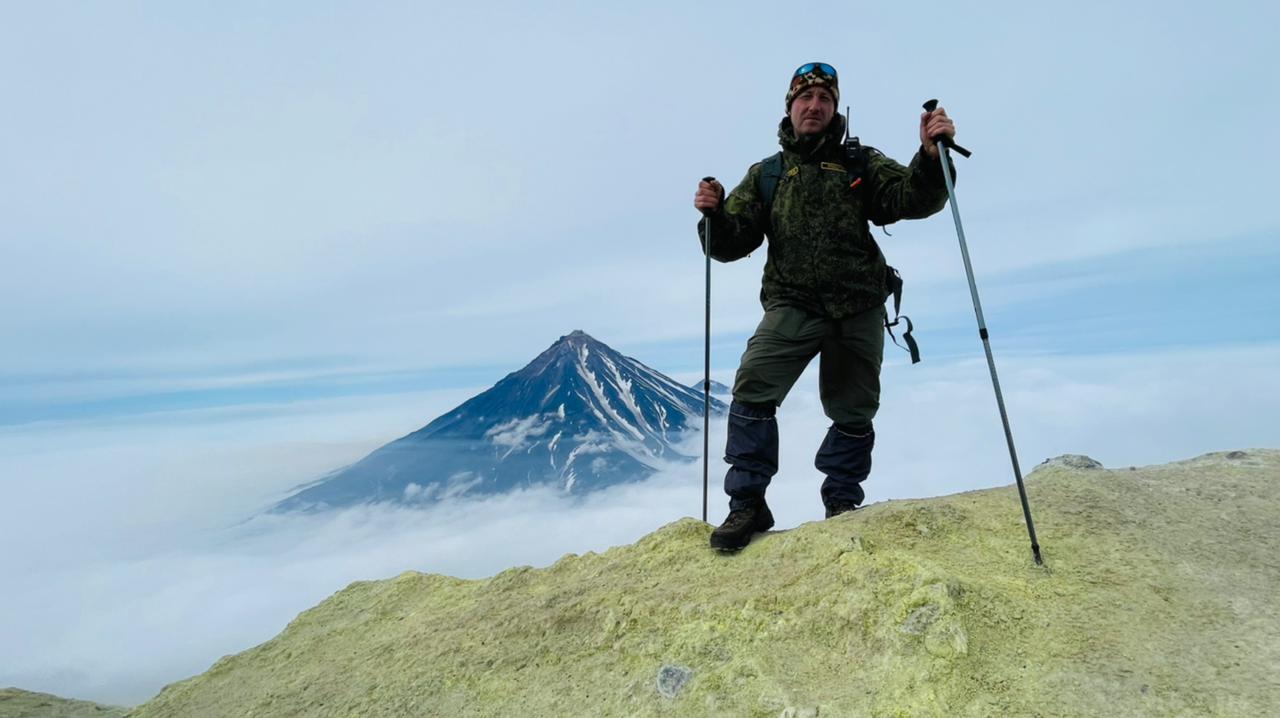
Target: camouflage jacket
[(822, 256)]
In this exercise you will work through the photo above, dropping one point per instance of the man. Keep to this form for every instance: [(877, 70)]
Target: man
[(824, 287)]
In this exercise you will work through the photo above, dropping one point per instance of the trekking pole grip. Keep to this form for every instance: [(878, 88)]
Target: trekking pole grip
[(707, 179), (932, 105)]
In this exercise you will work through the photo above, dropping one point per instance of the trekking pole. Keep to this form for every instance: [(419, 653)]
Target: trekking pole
[(706, 367), (943, 143)]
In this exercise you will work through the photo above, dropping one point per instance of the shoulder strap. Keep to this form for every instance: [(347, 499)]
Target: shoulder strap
[(768, 179), (893, 280)]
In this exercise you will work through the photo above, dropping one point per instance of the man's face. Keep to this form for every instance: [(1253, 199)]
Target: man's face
[(812, 110)]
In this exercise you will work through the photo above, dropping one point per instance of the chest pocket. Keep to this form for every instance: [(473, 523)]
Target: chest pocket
[(842, 181), (842, 192)]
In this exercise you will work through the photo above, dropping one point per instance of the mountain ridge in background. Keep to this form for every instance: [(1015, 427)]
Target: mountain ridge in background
[(580, 416)]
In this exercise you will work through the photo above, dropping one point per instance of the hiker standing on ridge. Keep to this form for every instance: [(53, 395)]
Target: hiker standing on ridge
[(824, 288)]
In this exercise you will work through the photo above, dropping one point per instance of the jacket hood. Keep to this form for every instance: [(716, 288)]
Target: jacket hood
[(811, 145)]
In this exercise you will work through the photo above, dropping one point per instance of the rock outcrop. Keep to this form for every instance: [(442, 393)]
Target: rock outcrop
[(1158, 598)]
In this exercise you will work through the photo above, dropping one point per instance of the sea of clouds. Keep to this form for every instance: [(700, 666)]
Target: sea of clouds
[(137, 553)]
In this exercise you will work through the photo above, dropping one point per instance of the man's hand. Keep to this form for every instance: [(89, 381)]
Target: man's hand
[(709, 196), (932, 126)]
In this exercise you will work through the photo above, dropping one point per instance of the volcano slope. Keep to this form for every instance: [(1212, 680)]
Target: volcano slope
[(1158, 598)]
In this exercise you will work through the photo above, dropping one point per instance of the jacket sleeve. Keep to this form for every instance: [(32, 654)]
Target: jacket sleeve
[(912, 192), (737, 227)]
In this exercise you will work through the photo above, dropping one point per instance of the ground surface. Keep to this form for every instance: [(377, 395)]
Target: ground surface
[(1158, 599), (15, 703)]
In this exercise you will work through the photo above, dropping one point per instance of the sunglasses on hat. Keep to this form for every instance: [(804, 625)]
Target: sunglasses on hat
[(811, 66)]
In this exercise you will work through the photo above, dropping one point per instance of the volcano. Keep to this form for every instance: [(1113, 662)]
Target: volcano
[(579, 417)]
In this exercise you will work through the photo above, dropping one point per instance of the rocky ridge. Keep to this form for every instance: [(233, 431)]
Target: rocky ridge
[(16, 703), (1158, 598)]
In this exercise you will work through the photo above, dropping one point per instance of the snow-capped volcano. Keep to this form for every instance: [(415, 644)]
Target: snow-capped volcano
[(580, 416)]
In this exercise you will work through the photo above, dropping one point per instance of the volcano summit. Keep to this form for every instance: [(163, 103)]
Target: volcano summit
[(580, 416)]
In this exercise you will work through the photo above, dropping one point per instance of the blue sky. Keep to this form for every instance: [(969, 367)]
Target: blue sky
[(421, 188), (244, 244)]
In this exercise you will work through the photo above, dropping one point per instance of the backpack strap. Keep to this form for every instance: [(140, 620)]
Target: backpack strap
[(768, 179), (894, 282), (856, 158)]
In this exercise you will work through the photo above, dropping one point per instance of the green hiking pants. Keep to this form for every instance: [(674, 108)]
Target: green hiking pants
[(850, 350)]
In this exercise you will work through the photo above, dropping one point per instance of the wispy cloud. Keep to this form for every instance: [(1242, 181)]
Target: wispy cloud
[(293, 203)]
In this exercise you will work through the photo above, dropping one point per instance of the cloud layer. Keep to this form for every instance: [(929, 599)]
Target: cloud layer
[(149, 573)]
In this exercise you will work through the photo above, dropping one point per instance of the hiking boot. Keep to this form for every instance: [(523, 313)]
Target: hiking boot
[(835, 508), (739, 525)]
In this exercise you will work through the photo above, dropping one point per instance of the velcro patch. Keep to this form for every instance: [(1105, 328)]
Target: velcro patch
[(833, 167)]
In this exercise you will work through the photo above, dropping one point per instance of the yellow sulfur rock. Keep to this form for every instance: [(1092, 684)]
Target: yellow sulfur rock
[(16, 703), (1159, 598)]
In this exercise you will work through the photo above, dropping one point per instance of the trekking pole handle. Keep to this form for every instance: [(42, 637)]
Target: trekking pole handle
[(707, 179), (932, 105)]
